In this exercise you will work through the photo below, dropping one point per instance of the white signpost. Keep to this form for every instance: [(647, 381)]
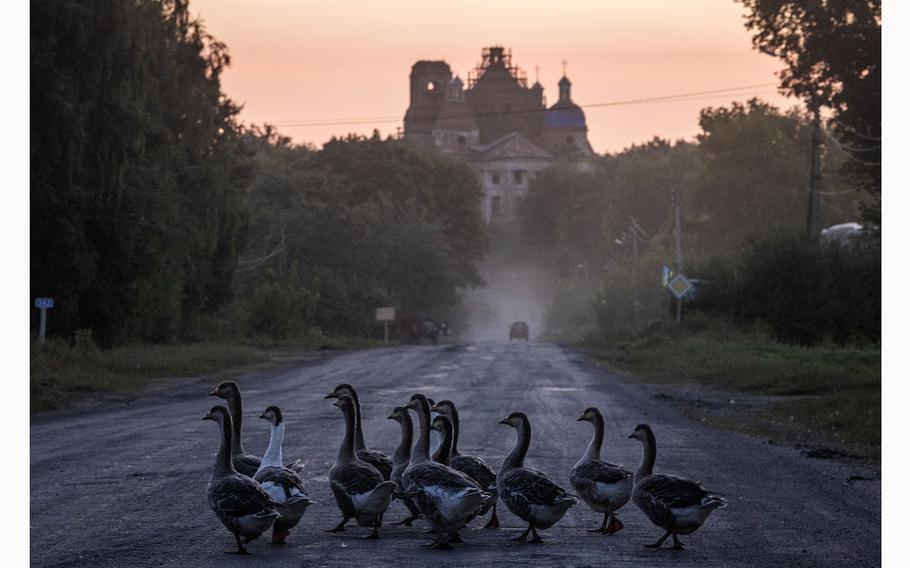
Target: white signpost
[(385, 315), (43, 304)]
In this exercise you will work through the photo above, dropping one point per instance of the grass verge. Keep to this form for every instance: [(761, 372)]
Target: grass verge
[(829, 396), (61, 373)]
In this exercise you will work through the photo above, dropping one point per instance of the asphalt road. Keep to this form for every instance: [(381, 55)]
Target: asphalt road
[(124, 484)]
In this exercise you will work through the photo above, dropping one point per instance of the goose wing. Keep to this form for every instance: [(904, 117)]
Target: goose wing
[(354, 479), (238, 496), (532, 487), (601, 472), (246, 464), (281, 476), (475, 468), (673, 492), (379, 460)]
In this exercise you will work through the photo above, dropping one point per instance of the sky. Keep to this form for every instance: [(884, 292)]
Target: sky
[(302, 60)]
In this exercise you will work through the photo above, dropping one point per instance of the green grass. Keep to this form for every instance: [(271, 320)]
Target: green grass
[(836, 390), (61, 374)]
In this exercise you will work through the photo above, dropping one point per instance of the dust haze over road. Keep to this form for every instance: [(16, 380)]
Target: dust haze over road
[(124, 485), (512, 293)]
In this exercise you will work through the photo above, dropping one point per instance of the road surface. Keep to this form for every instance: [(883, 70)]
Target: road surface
[(124, 484)]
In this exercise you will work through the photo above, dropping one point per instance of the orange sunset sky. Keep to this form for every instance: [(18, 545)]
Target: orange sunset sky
[(296, 60)]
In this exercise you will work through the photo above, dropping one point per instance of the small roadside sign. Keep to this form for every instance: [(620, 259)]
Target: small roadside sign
[(43, 304), (680, 286), (385, 315), (665, 276)]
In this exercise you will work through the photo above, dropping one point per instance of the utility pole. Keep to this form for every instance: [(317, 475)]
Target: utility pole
[(814, 172), (679, 257), (636, 305)]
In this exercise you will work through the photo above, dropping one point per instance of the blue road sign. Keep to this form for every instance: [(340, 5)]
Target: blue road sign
[(44, 302)]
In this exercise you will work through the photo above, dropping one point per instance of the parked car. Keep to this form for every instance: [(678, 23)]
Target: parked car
[(518, 330), (416, 330)]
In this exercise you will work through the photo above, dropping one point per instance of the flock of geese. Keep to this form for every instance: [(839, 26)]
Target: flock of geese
[(251, 495)]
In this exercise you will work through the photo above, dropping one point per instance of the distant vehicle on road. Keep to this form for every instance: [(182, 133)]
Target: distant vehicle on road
[(518, 330), (416, 330)]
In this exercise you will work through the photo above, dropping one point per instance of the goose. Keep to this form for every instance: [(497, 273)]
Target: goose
[(446, 498), (240, 503), (247, 464), (359, 489), (375, 458), (435, 437), (283, 485), (472, 466), (443, 425), (674, 504), (605, 487), (528, 493), (402, 457)]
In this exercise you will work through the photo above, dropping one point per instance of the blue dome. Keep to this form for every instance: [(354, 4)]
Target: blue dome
[(565, 116)]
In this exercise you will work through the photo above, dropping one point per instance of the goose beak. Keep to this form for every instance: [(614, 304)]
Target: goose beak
[(580, 418), (334, 403), (330, 395), (263, 416), (631, 435), (207, 417), (214, 392), (504, 421), (391, 417), (433, 408)]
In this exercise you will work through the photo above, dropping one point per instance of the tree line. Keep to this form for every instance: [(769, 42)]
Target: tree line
[(156, 215)]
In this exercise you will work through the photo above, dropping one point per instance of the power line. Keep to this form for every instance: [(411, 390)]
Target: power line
[(680, 97)]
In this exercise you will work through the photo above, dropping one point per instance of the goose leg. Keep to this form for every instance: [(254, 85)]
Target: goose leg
[(603, 525), (659, 542), (456, 538), (535, 538), (676, 544), (340, 526), (374, 534), (279, 535), (524, 535), (240, 547), (615, 524), (493, 523)]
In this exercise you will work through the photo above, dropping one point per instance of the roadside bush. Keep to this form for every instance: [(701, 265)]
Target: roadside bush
[(280, 307), (805, 291)]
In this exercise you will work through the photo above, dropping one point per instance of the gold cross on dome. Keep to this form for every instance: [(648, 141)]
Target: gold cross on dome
[(564, 67)]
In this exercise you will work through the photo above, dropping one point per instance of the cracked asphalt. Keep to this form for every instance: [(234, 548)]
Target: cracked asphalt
[(123, 484)]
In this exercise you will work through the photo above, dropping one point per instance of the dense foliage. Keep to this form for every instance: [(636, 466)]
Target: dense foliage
[(135, 170), (742, 181), (157, 217), (364, 223), (832, 54)]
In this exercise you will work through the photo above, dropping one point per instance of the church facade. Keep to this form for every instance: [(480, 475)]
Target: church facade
[(498, 124)]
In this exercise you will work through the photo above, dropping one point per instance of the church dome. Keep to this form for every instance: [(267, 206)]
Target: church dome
[(565, 113)]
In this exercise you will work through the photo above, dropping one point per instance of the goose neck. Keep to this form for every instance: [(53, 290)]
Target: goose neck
[(444, 452), (422, 447), (455, 430), (273, 457), (359, 444), (224, 464), (403, 451), (516, 457), (593, 451), (346, 451), (648, 456), (236, 407)]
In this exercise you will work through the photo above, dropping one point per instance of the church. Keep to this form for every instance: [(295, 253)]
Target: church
[(498, 125)]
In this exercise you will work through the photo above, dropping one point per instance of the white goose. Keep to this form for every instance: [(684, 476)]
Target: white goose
[(283, 485)]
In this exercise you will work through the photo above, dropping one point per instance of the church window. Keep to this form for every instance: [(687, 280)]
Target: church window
[(494, 177), (462, 140), (519, 177)]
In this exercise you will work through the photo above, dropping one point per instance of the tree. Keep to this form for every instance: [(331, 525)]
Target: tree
[(832, 55)]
